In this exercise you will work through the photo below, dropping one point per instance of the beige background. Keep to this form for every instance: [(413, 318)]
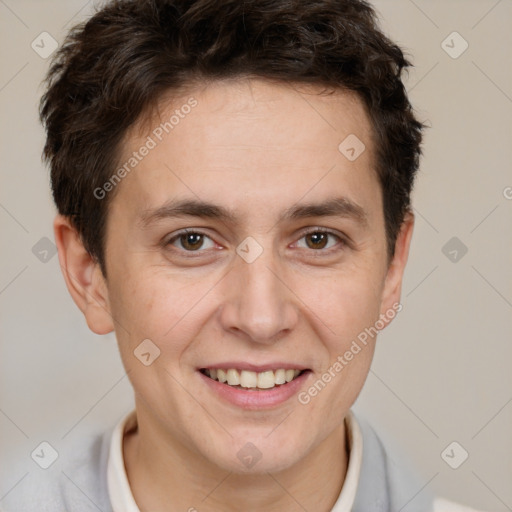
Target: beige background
[(442, 370)]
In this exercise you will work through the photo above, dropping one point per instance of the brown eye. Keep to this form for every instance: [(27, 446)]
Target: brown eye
[(190, 241), (319, 239)]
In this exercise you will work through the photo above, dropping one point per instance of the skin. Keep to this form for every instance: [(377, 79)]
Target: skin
[(257, 148)]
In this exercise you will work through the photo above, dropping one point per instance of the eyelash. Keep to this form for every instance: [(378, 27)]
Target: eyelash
[(341, 241)]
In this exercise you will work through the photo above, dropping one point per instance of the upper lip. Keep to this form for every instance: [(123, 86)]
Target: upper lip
[(258, 368)]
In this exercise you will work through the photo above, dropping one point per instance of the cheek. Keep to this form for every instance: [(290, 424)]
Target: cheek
[(334, 390), (345, 302), (160, 307), (345, 306)]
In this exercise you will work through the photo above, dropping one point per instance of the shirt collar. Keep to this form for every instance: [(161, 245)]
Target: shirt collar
[(122, 499)]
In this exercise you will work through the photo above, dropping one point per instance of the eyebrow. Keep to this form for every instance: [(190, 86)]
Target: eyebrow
[(334, 207)]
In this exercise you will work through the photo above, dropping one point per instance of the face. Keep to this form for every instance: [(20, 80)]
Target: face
[(245, 245)]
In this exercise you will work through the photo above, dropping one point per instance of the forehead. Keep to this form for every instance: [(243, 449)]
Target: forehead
[(236, 140)]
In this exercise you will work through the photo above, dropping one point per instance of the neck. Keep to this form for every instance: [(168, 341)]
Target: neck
[(163, 471)]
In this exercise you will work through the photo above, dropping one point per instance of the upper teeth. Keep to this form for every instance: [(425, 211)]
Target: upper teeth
[(247, 379)]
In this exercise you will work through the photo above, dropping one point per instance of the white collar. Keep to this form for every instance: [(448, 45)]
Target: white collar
[(119, 491), (121, 496)]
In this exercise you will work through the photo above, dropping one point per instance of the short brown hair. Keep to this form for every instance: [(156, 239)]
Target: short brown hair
[(113, 68)]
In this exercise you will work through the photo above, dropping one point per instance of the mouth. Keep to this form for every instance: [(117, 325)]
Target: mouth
[(248, 380)]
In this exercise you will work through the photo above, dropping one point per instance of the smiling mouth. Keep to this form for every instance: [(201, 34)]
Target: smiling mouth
[(252, 381)]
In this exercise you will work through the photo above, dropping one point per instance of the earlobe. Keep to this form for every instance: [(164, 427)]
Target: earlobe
[(83, 277), (393, 284)]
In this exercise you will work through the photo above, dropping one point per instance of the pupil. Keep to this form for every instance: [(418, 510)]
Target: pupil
[(192, 240), (318, 238)]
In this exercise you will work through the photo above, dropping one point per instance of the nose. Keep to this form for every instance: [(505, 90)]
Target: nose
[(259, 303)]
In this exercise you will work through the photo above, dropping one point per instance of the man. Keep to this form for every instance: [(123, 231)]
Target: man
[(233, 184)]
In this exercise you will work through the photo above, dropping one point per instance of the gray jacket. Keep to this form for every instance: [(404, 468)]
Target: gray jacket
[(79, 483)]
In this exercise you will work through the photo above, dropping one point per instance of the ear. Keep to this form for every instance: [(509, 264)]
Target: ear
[(83, 277), (393, 283)]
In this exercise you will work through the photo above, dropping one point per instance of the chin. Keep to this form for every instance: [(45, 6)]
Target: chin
[(253, 455)]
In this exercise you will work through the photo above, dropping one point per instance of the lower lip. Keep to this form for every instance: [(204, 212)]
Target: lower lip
[(260, 399)]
